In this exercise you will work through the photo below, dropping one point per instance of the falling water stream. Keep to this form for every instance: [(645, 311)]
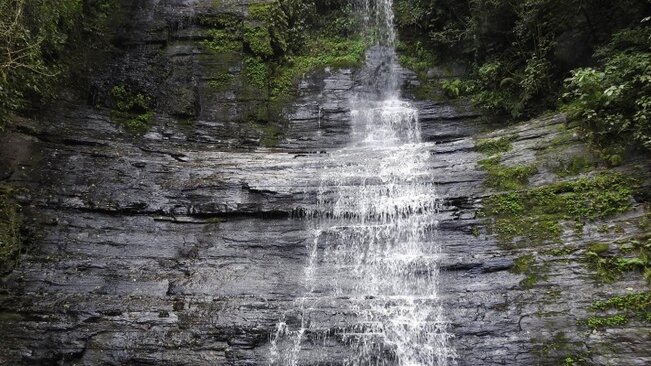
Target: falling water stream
[(374, 256)]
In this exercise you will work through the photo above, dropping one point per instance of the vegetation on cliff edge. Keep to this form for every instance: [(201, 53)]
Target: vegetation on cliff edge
[(525, 57), (41, 43)]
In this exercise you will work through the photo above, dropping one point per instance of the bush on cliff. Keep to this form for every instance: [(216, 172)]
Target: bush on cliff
[(36, 38)]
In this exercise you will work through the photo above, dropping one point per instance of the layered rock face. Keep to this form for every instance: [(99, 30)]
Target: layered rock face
[(185, 246)]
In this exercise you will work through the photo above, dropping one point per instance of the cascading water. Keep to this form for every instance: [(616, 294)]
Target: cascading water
[(374, 258)]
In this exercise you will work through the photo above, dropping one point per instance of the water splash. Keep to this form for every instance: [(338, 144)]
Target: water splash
[(375, 255)]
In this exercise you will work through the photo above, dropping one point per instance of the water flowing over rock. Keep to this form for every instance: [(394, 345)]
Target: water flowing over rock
[(355, 241), (375, 253)]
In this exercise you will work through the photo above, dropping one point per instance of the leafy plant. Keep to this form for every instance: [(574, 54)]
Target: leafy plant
[(613, 104), (518, 52), (131, 109), (454, 88), (37, 40)]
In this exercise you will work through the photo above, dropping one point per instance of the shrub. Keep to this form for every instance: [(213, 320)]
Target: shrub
[(131, 109), (36, 39), (613, 104)]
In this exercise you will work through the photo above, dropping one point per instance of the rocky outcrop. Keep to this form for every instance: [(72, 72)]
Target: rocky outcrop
[(185, 245)]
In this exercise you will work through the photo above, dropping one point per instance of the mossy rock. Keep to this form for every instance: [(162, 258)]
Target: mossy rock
[(534, 216), (11, 220)]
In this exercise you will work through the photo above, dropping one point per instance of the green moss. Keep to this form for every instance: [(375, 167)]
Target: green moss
[(528, 231), (631, 256), (559, 342), (575, 360), (560, 252), (231, 21), (221, 81), (576, 165), (587, 198), (506, 177), (269, 60), (599, 248), (535, 214), (504, 204), (270, 133), (10, 223), (559, 350), (534, 272), (223, 41), (598, 322), (523, 264), (603, 229), (637, 303), (494, 146), (318, 53)]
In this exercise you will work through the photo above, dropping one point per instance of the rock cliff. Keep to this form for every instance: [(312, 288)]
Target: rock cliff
[(184, 245)]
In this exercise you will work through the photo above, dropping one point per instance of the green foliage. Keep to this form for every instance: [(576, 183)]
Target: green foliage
[(318, 53), (258, 40), (284, 40), (560, 252), (260, 12), (599, 248), (222, 41), (500, 176), (10, 224), (520, 51), (613, 104), (416, 57), (527, 230), (37, 40), (256, 71), (321, 34), (455, 88), (274, 45), (221, 80), (131, 109)]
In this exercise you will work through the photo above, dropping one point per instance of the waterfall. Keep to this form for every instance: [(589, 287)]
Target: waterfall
[(374, 256)]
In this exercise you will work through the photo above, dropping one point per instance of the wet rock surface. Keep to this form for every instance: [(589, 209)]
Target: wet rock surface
[(186, 245)]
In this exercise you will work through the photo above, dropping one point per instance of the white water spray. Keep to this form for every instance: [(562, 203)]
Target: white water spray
[(375, 255)]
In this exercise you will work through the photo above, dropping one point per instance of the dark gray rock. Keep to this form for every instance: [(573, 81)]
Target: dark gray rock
[(187, 245)]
